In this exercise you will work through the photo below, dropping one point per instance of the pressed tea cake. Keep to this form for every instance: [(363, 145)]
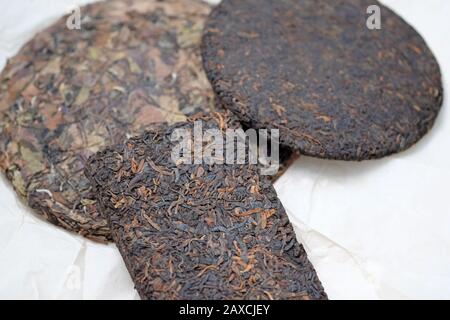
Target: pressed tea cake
[(198, 231), (313, 69), (68, 93)]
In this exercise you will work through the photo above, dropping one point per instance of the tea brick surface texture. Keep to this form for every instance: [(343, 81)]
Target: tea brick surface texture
[(198, 231), (312, 68), (69, 93)]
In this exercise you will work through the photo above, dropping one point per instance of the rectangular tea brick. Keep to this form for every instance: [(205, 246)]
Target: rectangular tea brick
[(199, 231)]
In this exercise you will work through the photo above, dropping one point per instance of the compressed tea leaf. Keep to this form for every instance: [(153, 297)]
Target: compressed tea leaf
[(68, 93), (313, 69), (200, 231)]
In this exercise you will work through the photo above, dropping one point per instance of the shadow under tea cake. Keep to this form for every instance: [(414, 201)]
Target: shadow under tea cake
[(68, 93), (198, 231), (313, 69)]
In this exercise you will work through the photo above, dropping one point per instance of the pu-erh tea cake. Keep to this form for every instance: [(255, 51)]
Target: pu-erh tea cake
[(198, 231), (70, 92), (334, 86)]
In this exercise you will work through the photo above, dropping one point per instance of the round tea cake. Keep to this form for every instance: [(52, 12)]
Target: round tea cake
[(336, 87), (68, 93)]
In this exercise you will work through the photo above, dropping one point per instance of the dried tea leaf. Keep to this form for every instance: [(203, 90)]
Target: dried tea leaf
[(18, 182), (68, 93), (311, 68), (185, 240), (82, 96), (33, 159)]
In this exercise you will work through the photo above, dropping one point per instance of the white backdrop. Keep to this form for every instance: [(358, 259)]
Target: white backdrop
[(378, 229)]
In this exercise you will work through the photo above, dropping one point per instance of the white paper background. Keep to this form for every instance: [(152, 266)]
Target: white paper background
[(378, 229)]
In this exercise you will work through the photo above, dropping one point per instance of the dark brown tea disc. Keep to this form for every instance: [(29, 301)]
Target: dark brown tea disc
[(316, 69), (198, 231), (68, 93)]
